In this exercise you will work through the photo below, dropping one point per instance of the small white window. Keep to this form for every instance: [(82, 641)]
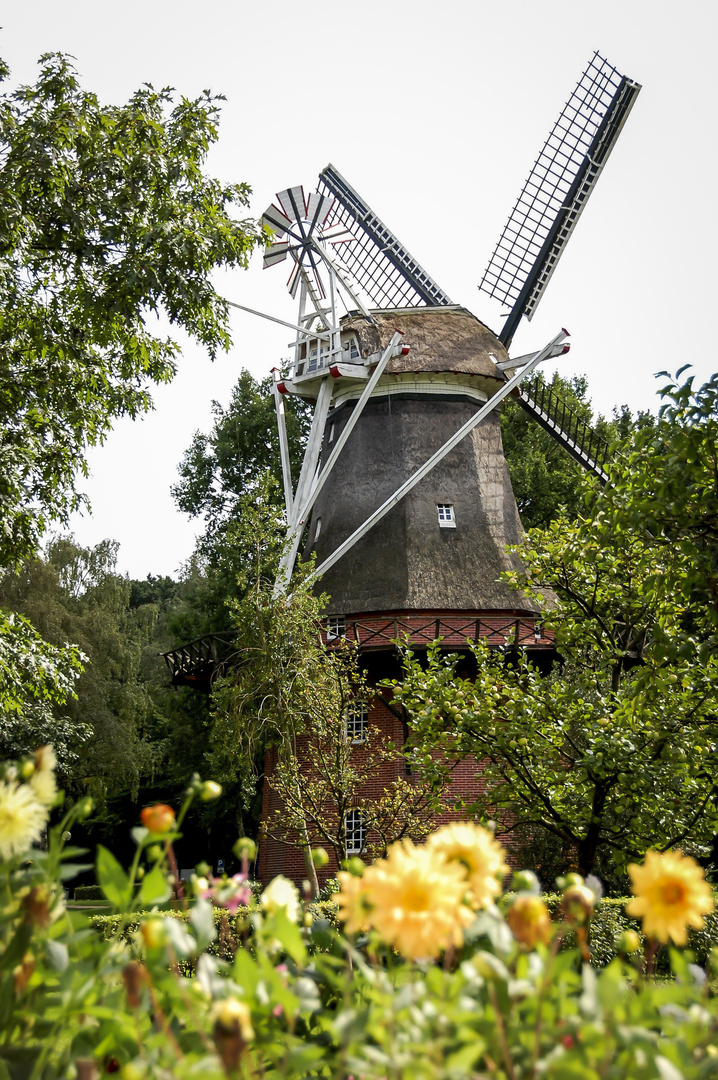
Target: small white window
[(355, 722), (330, 437), (350, 349), (355, 832), (446, 515), (317, 530), (336, 627)]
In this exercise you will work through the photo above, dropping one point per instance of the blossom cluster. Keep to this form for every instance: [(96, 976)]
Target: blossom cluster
[(27, 792), (421, 899)]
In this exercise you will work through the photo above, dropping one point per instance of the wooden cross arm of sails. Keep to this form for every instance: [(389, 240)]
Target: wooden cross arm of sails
[(305, 501)]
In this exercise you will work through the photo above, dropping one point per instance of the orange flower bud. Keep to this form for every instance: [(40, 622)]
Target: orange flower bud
[(158, 818)]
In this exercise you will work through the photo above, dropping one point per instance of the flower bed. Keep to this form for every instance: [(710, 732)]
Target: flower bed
[(434, 974)]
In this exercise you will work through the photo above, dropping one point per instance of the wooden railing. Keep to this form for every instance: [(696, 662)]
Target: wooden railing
[(522, 632), (200, 662)]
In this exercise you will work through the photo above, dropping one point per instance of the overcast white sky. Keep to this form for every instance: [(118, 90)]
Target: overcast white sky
[(434, 113)]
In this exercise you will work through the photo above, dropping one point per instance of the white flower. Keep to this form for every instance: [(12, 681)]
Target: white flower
[(45, 759), (43, 785), (281, 894), (22, 818)]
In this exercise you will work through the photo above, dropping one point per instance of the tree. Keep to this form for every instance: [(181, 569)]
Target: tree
[(221, 468), (109, 734), (219, 474), (615, 751), (325, 775), (107, 218)]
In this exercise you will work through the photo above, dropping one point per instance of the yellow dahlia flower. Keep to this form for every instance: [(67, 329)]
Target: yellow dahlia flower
[(671, 894), (22, 818), (475, 849), (417, 900), (354, 906)]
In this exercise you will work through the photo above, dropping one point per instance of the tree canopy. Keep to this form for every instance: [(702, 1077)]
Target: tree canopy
[(107, 219)]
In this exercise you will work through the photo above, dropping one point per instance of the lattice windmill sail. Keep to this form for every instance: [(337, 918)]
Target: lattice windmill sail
[(557, 190), (375, 258)]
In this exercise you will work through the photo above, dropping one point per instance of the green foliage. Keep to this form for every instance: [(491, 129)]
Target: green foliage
[(222, 467), (35, 679), (107, 218), (232, 478), (614, 752), (110, 734), (196, 990)]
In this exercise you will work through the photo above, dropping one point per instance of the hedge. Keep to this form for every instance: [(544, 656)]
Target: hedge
[(609, 921), (94, 892), (108, 925)]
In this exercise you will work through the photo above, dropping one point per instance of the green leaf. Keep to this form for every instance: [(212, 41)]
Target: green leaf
[(57, 955), (246, 973), (112, 879), (155, 889), (287, 933), (201, 918)]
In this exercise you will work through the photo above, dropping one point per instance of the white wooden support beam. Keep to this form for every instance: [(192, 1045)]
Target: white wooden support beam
[(314, 446), (282, 322), (441, 453), (279, 405), (294, 535), (335, 270), (521, 361), (306, 479)]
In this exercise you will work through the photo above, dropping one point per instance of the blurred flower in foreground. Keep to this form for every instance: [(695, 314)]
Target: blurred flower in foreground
[(529, 920), (22, 818), (232, 1031), (476, 850), (354, 905), (158, 818), (230, 893), (671, 894), (210, 790), (281, 893), (42, 780), (417, 900)]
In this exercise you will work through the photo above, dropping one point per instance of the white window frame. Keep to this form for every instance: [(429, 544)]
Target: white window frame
[(336, 627), (350, 349), (355, 831), (356, 722), (447, 517)]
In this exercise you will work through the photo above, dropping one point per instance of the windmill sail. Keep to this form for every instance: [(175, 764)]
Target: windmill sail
[(386, 272), (571, 432), (557, 190)]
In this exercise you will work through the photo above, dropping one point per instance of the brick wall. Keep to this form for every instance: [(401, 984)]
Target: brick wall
[(277, 857)]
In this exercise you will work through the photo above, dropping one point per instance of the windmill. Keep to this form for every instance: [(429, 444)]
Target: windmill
[(404, 495)]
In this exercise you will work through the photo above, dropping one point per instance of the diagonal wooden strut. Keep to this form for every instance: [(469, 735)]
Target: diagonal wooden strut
[(435, 458), (299, 515)]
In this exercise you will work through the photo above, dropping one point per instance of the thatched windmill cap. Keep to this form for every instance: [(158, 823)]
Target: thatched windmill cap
[(448, 339)]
